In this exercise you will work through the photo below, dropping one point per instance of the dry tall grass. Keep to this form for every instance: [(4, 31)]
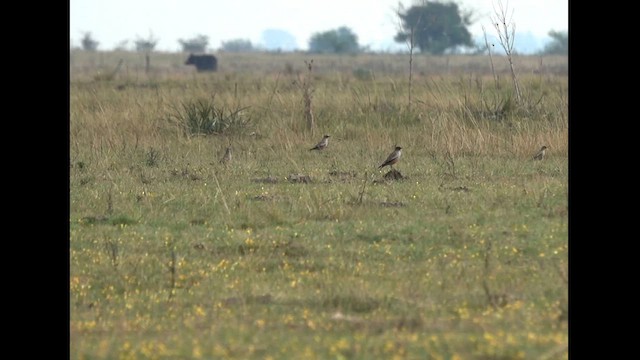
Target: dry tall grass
[(457, 110), (174, 255)]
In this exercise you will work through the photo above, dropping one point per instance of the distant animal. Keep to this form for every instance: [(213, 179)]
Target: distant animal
[(540, 155), (203, 62), (322, 144), (392, 158)]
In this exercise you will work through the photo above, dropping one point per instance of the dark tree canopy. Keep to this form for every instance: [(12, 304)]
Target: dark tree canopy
[(339, 41), (197, 44), (237, 45), (88, 43), (146, 45), (436, 27), (559, 44)]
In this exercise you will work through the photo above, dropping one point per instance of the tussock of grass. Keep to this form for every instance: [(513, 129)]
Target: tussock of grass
[(203, 117)]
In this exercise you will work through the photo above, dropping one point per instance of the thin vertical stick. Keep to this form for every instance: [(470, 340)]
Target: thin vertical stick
[(493, 70), (307, 95), (221, 193), (411, 46)]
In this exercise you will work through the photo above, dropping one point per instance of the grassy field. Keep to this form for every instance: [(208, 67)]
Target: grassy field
[(286, 253)]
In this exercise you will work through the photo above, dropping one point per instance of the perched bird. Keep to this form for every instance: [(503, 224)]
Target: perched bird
[(540, 154), (322, 144), (226, 158), (393, 158)]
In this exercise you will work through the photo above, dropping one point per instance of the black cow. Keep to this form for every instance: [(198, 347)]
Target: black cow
[(203, 62)]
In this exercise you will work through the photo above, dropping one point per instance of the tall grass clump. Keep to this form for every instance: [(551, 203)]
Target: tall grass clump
[(204, 117)]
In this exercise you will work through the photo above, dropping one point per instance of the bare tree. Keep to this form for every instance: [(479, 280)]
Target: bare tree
[(146, 46), (506, 29), (411, 45)]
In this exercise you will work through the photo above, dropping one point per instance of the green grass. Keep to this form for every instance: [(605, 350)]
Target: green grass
[(174, 255)]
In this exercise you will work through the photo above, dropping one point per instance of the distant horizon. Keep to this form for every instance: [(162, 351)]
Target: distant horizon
[(531, 44), (113, 22)]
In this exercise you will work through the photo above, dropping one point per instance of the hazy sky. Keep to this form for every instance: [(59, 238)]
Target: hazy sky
[(113, 21)]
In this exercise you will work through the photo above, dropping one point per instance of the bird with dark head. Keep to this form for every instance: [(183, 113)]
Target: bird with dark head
[(392, 158), (540, 154), (322, 144)]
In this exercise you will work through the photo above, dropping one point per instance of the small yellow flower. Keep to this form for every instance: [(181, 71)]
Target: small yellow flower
[(463, 313), (342, 344), (197, 352), (200, 311), (219, 350), (389, 346), (311, 324), (308, 353)]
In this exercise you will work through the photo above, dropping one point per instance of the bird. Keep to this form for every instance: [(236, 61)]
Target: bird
[(226, 158), (540, 155), (322, 144), (392, 158)]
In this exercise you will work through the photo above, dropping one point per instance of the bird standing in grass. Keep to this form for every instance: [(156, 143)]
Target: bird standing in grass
[(540, 155), (322, 144), (226, 158), (392, 158)]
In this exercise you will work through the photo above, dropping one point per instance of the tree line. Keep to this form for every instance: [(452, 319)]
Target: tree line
[(432, 28)]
